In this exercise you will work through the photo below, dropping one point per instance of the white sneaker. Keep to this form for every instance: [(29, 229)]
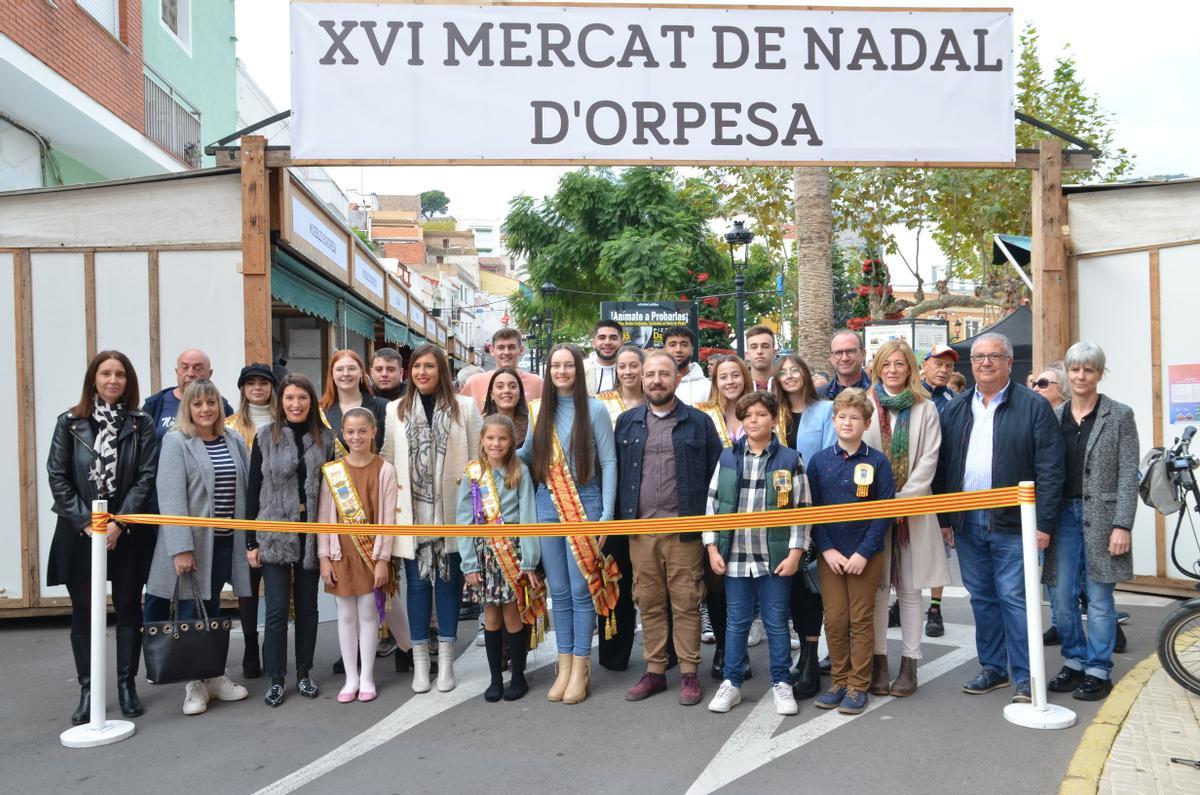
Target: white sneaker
[(195, 699), (756, 633), (794, 638), (727, 698), (480, 640), (785, 702), (222, 688)]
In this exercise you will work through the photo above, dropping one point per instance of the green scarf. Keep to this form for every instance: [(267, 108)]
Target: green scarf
[(895, 440)]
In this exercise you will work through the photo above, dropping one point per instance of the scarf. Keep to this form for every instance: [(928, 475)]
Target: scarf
[(104, 469), (427, 444), (895, 440)]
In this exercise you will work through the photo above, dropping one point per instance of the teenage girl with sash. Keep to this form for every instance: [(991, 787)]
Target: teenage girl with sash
[(497, 490), (431, 434), (347, 386), (357, 567), (506, 395), (573, 460), (629, 383), (730, 380)]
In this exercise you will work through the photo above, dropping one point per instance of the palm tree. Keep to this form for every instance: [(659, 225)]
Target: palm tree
[(814, 264)]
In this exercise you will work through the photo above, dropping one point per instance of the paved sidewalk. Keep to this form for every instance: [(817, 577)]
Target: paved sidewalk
[(1164, 722)]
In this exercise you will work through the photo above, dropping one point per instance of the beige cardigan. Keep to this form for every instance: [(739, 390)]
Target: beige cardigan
[(929, 567), (328, 544), (461, 447)]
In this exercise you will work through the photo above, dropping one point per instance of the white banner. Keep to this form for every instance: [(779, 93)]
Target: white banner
[(436, 83)]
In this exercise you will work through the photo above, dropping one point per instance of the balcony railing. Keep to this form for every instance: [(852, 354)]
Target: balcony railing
[(171, 121)]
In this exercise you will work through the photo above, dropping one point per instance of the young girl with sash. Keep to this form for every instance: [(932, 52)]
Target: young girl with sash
[(356, 567), (497, 490), (430, 435), (629, 383), (730, 380), (572, 457)]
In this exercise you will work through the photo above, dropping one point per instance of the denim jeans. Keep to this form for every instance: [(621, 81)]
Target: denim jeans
[(1090, 652), (571, 601), (281, 581), (424, 595), (994, 575), (773, 594), (159, 609)]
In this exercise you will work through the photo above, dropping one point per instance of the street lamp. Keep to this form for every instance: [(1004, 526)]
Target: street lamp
[(549, 290), (740, 236), (535, 342)]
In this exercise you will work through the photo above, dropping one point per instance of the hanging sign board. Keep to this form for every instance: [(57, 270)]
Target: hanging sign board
[(582, 84)]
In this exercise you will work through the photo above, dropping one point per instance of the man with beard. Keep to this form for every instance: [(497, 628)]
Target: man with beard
[(600, 367), (694, 387)]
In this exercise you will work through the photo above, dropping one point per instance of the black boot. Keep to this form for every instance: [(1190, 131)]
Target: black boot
[(251, 665), (806, 676), (129, 652), (492, 641), (718, 664), (404, 661), (518, 650), (81, 648)]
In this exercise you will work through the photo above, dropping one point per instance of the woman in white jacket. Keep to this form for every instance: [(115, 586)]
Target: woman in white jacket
[(908, 433), (429, 436)]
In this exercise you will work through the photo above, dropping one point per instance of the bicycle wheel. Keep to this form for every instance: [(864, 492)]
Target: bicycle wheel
[(1178, 646)]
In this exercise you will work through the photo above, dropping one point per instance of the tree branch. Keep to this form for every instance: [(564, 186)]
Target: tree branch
[(947, 301)]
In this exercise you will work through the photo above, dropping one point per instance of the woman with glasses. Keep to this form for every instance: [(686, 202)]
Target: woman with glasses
[(1051, 383)]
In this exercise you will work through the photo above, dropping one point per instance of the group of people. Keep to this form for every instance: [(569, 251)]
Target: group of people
[(622, 433)]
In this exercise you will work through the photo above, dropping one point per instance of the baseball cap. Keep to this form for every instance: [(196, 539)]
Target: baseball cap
[(942, 350), (256, 370)]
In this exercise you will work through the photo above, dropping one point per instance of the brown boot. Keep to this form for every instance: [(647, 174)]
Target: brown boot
[(562, 677), (906, 681), (879, 675), (580, 684)]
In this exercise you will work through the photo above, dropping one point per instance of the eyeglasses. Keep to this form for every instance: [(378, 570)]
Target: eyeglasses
[(1042, 383), (792, 372), (844, 354), (988, 357)]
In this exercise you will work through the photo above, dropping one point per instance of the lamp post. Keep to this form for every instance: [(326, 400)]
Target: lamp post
[(740, 236), (535, 342), (549, 290)]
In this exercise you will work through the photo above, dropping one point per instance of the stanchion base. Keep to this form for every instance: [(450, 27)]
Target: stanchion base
[(1051, 716), (85, 736)]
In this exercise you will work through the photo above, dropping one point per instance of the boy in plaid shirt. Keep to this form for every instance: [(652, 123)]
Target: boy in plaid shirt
[(758, 473)]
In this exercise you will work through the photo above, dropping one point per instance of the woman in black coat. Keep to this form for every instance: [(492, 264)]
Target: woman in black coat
[(103, 449)]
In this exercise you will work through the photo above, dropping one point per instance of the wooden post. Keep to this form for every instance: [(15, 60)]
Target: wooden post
[(256, 250), (1156, 401), (1051, 296)]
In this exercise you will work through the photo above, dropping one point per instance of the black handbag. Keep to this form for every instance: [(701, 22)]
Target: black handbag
[(185, 650)]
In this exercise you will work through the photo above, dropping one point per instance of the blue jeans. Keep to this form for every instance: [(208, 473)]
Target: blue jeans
[(571, 601), (159, 609), (1090, 653), (423, 595), (994, 575), (773, 594)]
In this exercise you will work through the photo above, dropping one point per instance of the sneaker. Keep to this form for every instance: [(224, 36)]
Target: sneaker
[(274, 696), (854, 703), (756, 633), (793, 638), (934, 628), (987, 681), (195, 698), (647, 686), (1067, 680), (831, 698), (689, 690), (894, 614), (1050, 637), (1023, 693), (727, 698), (785, 702), (307, 687), (479, 639), (1122, 616), (1093, 688), (222, 688), (387, 645), (706, 628)]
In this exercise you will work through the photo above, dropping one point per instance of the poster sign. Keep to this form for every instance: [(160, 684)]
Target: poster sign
[(645, 321), (583, 83), (921, 335), (1184, 381)]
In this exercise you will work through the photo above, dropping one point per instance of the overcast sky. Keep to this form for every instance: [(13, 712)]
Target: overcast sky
[(1140, 59)]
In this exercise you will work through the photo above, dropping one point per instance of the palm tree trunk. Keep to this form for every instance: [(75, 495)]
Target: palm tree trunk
[(814, 265)]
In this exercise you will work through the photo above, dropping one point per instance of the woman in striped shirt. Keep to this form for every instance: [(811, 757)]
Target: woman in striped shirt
[(202, 471)]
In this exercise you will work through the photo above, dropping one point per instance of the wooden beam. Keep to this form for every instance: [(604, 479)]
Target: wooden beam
[(1160, 586), (155, 329), (1051, 296), (89, 301), (256, 250), (1156, 401), (31, 579)]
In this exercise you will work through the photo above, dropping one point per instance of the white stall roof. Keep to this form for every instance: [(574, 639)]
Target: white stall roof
[(1134, 215)]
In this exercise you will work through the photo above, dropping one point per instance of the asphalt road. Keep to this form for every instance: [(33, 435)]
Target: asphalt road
[(939, 740)]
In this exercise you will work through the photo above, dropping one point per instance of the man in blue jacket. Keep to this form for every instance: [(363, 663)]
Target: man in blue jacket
[(192, 365), (666, 454), (993, 436)]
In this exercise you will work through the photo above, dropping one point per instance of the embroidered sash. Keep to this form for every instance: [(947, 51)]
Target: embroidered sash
[(718, 418), (339, 449), (351, 511), (598, 569), (612, 401)]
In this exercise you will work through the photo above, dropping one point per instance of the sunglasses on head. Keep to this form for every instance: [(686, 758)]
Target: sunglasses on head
[(1042, 383)]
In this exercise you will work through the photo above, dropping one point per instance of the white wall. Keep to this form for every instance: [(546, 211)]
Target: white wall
[(123, 309), (10, 463)]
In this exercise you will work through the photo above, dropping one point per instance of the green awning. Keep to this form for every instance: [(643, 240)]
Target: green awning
[(303, 295), (304, 287), (357, 320), (395, 332)]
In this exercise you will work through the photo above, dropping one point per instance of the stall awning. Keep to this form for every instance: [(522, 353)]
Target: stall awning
[(301, 286), (395, 332), (300, 293), (359, 321)]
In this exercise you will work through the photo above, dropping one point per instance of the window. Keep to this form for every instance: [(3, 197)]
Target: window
[(106, 12), (176, 17), (972, 326)]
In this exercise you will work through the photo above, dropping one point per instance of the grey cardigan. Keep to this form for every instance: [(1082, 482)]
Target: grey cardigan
[(1110, 491), (185, 486)]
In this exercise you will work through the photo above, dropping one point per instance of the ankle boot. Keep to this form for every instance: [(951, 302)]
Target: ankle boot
[(562, 677), (806, 676), (251, 666), (404, 661), (81, 649), (580, 684), (718, 664), (518, 651), (420, 682), (906, 681), (445, 677), (129, 652), (880, 681), (491, 642)]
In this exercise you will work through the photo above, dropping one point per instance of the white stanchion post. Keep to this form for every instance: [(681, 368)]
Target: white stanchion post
[(1041, 714), (99, 731)]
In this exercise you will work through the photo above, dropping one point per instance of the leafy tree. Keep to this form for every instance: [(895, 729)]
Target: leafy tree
[(433, 202)]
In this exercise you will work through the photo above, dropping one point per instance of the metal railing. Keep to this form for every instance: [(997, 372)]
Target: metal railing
[(171, 121)]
